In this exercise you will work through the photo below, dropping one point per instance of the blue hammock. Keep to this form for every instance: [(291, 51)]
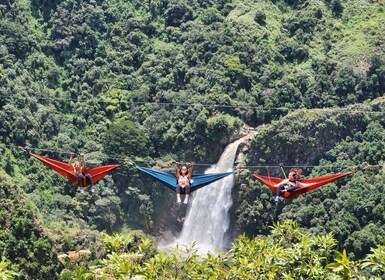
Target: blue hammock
[(169, 179)]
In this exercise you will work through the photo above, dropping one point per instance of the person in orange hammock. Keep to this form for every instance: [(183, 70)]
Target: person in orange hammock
[(183, 175), (290, 184), (80, 171)]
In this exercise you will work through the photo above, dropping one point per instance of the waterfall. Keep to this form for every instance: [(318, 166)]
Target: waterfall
[(207, 220)]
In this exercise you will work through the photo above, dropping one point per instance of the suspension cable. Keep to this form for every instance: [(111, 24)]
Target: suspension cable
[(184, 104), (128, 161)]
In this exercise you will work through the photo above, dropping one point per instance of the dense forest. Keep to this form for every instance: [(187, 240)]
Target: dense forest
[(152, 82)]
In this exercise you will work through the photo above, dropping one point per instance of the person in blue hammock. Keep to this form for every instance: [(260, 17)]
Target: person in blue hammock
[(183, 175)]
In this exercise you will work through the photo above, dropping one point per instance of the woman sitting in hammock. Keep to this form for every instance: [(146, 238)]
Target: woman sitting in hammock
[(79, 169), (183, 175), (289, 184)]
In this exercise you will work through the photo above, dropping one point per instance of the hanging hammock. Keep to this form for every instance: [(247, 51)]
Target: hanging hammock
[(310, 184), (169, 180), (67, 171)]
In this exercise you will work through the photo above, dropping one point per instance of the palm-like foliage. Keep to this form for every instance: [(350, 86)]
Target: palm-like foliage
[(376, 260), (343, 267), (117, 242), (78, 273), (120, 265), (6, 274), (289, 252)]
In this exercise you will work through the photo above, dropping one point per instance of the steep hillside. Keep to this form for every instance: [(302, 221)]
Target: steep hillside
[(23, 241), (151, 82), (321, 142)]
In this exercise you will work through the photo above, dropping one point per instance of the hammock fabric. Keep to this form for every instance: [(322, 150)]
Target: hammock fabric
[(66, 170), (170, 181), (310, 184)]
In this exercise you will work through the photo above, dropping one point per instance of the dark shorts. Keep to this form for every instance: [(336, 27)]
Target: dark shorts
[(185, 190), (282, 187), (81, 177)]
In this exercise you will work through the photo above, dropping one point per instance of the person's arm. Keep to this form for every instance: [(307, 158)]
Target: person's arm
[(190, 170), (83, 162), (300, 185), (71, 158), (177, 170), (283, 183)]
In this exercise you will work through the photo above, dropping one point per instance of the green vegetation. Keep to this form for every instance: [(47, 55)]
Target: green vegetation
[(351, 208), (288, 252), (22, 238), (156, 81)]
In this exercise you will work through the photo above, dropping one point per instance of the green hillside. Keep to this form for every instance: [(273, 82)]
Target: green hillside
[(322, 142), (157, 81), (23, 241)]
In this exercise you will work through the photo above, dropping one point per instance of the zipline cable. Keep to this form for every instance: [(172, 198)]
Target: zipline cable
[(341, 110), (184, 104), (128, 161)]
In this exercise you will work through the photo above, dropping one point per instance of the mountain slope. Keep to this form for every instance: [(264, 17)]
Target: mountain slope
[(22, 239)]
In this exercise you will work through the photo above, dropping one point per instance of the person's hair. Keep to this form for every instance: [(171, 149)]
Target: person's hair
[(180, 170), (297, 172)]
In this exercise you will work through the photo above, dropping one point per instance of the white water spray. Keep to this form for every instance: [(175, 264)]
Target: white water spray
[(207, 220)]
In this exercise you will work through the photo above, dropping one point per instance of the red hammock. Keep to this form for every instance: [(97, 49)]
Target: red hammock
[(67, 171), (310, 184)]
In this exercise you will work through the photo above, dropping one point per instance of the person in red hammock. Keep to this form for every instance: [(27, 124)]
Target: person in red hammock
[(183, 175), (80, 171), (290, 184)]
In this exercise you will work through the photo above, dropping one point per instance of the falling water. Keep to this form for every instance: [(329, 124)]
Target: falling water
[(208, 220)]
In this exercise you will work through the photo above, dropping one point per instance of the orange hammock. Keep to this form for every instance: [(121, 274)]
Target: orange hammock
[(67, 171), (310, 184)]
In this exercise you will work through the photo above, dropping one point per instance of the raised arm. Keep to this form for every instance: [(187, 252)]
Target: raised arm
[(71, 158), (82, 162), (177, 169), (190, 170)]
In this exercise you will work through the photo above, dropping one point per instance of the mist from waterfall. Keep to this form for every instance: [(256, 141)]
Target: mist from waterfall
[(207, 221)]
